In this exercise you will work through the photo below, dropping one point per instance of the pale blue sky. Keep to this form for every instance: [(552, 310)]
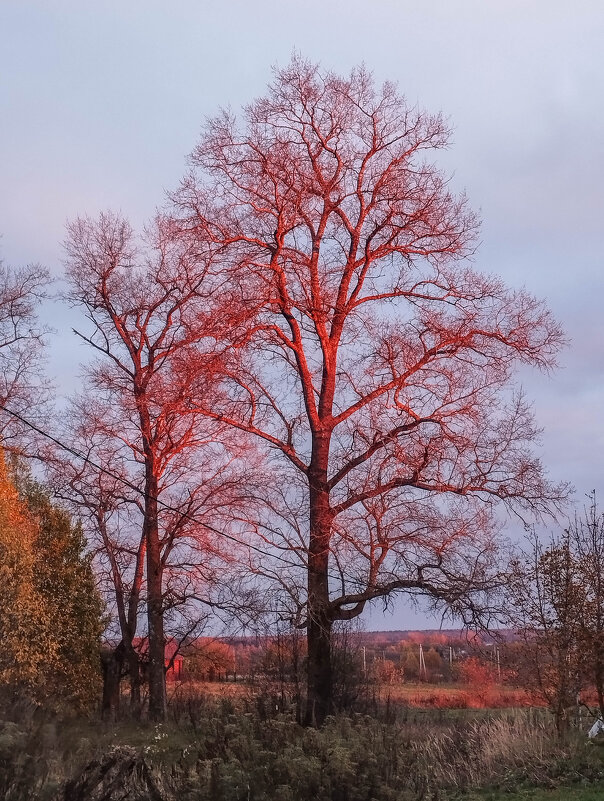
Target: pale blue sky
[(100, 102)]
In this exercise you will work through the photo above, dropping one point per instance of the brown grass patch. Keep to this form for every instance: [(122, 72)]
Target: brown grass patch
[(455, 696)]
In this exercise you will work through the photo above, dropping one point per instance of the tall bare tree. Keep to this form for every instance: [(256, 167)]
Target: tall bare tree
[(379, 363), (586, 536), (151, 309), (546, 603)]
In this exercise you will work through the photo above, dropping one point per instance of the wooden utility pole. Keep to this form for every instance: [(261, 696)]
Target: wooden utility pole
[(422, 663)]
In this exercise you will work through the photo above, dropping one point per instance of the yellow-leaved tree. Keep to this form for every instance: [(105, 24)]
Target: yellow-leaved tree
[(50, 611), (25, 630)]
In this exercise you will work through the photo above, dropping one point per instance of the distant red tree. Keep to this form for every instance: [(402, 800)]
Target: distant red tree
[(379, 362), (476, 672)]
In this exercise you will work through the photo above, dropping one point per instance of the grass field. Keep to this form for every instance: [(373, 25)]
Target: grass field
[(240, 748), (456, 696), (419, 695)]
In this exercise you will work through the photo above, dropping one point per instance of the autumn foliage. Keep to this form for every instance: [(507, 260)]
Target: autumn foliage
[(50, 624)]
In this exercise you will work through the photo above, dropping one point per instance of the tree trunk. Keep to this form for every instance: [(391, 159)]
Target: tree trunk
[(111, 665), (130, 625), (319, 692), (319, 701), (135, 682), (296, 674), (599, 680), (155, 611)]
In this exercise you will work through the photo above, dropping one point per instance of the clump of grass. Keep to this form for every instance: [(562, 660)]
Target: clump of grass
[(506, 751)]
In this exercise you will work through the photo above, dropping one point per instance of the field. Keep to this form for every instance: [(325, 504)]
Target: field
[(227, 744), (455, 696), (413, 695)]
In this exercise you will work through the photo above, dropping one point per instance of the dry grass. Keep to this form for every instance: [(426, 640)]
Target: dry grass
[(456, 696), (211, 689), (416, 695), (493, 751), (216, 750)]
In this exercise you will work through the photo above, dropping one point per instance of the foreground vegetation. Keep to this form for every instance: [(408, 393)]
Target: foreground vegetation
[(540, 794), (214, 749), (300, 401)]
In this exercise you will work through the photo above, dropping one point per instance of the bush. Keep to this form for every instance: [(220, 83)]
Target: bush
[(50, 611)]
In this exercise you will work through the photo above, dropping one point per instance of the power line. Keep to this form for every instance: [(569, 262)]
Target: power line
[(342, 576), (86, 459), (140, 491)]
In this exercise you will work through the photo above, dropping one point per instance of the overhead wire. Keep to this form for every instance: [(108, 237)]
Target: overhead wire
[(168, 507), (140, 491)]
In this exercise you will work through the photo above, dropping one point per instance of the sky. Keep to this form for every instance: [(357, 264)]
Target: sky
[(100, 103)]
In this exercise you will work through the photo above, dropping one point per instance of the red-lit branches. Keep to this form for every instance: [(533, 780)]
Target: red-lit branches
[(379, 362)]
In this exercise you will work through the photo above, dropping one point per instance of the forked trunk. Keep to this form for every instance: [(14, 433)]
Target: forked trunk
[(111, 665)]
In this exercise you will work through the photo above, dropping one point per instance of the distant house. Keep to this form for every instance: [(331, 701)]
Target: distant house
[(173, 661), (173, 658)]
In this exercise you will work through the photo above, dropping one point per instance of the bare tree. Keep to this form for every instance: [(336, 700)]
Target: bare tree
[(21, 348), (151, 309), (556, 602), (586, 534), (379, 362), (546, 602), (111, 514)]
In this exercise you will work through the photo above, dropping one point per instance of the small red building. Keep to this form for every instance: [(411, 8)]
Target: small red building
[(173, 659)]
